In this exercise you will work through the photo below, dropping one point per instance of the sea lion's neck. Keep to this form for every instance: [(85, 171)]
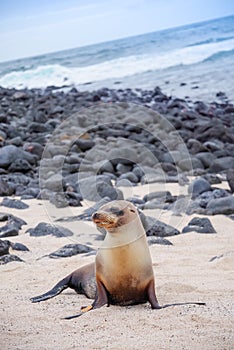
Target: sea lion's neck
[(123, 235)]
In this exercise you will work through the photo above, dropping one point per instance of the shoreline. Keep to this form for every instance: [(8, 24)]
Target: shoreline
[(182, 85)]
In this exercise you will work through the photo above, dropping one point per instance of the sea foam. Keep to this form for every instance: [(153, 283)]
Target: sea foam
[(60, 75)]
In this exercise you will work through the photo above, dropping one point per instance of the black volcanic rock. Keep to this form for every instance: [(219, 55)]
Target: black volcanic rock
[(123, 140), (5, 259), (70, 250), (11, 153), (14, 203), (198, 186), (44, 229), (200, 225), (154, 227), (4, 247)]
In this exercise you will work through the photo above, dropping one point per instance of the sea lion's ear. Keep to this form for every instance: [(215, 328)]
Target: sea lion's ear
[(132, 210)]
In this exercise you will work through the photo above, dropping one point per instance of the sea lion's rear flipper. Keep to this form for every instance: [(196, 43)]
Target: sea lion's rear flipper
[(83, 310), (57, 289), (101, 299)]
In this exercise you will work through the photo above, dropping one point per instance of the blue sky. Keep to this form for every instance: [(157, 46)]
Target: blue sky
[(30, 28)]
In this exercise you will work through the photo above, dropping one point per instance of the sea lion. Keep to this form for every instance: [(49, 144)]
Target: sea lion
[(122, 273)]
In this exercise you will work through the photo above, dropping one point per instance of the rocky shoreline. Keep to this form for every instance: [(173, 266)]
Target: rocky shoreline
[(67, 147)]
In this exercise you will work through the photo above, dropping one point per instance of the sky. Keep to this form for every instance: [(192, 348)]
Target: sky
[(33, 27)]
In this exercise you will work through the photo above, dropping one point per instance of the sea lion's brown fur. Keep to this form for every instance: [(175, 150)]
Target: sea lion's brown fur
[(123, 264)]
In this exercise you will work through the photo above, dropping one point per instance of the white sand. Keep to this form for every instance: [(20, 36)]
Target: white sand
[(183, 272)]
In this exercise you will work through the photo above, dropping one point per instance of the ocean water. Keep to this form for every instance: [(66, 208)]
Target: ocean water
[(196, 60)]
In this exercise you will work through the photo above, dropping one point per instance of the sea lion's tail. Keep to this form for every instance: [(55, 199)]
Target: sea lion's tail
[(57, 289)]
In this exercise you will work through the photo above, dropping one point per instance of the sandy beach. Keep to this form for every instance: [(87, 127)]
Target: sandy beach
[(183, 272)]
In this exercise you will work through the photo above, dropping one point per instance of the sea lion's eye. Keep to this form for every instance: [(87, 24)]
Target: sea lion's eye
[(116, 211)]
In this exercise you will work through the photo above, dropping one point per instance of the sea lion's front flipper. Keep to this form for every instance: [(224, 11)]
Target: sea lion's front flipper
[(57, 289), (152, 296), (101, 295)]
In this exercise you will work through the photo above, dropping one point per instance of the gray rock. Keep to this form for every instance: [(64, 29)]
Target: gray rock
[(53, 183), (123, 183), (223, 205), (138, 171), (17, 141), (195, 146), (12, 219), (154, 227), (64, 199), (212, 179), (20, 95), (135, 200), (154, 177), (214, 145), (9, 230), (20, 165), (158, 240), (30, 193), (54, 150), (94, 188), (84, 145), (173, 157), (104, 167), (180, 205), (14, 203), (129, 176), (70, 250), (45, 194), (221, 164), (11, 153), (207, 158), (198, 186), (19, 246), (4, 247), (190, 164), (123, 168), (34, 148), (200, 225), (154, 204), (35, 127), (206, 197), (164, 196), (5, 259), (122, 155), (6, 188), (44, 229)]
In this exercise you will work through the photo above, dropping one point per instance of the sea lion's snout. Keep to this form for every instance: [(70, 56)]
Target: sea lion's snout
[(104, 219)]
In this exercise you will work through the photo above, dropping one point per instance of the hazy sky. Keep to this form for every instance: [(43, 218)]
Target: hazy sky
[(32, 27)]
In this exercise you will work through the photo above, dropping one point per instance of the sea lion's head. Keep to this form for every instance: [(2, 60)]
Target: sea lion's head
[(115, 214)]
